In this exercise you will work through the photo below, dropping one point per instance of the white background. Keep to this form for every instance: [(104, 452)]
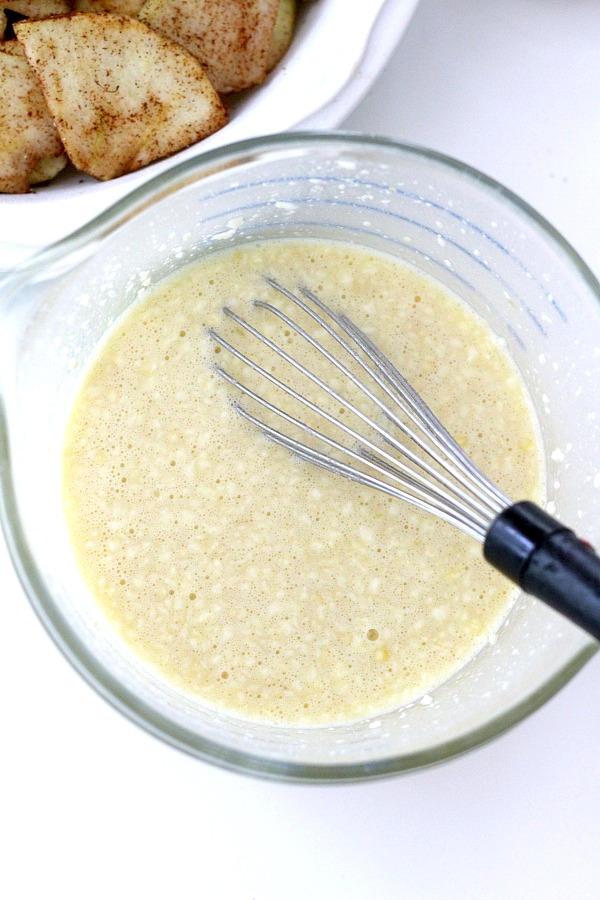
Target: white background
[(93, 807)]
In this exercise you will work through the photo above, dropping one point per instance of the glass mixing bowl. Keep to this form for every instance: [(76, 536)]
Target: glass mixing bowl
[(437, 214)]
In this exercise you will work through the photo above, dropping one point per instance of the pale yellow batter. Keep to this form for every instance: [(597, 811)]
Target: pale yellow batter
[(248, 578)]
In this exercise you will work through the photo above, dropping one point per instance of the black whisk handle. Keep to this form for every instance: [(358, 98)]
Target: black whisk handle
[(548, 561)]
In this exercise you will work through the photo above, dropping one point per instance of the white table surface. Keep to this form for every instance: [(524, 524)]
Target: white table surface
[(94, 808)]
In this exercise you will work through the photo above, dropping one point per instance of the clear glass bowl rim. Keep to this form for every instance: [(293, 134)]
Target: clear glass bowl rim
[(152, 191)]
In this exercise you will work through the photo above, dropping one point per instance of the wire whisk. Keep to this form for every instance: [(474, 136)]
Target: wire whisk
[(403, 450)]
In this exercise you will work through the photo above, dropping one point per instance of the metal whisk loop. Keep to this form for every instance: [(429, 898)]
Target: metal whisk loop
[(419, 498), (379, 459), (454, 489), (446, 507), (426, 418), (451, 457), (396, 396)]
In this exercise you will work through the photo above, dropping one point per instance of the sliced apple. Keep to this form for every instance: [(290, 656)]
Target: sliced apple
[(120, 7), (37, 9), (231, 38), (121, 95), (30, 148)]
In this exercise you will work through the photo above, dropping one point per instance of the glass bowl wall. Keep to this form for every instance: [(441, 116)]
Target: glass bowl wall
[(436, 214)]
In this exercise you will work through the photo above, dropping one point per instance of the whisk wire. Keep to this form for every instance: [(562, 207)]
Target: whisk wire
[(447, 511), (427, 419), (468, 503), (452, 455), (397, 389), (395, 397), (471, 499), (445, 506), (389, 464)]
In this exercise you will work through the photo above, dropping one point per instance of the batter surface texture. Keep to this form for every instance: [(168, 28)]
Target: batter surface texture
[(246, 577)]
